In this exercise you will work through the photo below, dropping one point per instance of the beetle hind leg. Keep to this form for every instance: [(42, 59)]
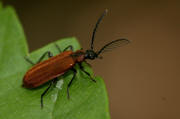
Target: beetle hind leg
[(28, 60), (40, 59), (58, 48), (42, 95)]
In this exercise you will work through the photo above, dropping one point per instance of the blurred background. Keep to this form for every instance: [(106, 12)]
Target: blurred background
[(142, 78)]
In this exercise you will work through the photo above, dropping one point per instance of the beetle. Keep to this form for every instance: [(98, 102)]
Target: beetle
[(48, 70)]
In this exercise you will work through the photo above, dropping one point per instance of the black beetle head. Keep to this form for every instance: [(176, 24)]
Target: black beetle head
[(90, 54)]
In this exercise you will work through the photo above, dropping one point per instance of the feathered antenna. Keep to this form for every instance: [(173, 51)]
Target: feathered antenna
[(113, 44)]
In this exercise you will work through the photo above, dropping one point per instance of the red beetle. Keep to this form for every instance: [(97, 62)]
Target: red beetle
[(55, 66)]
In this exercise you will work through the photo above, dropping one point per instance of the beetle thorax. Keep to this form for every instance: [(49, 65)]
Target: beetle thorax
[(79, 56)]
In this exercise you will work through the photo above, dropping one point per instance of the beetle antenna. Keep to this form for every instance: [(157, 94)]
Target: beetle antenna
[(113, 44), (95, 28)]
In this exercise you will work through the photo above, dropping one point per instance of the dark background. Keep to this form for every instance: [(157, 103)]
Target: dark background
[(142, 78)]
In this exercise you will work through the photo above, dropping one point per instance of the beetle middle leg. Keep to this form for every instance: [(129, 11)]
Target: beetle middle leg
[(69, 84), (68, 47), (41, 58), (82, 68)]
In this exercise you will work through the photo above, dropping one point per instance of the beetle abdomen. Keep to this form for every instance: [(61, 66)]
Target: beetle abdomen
[(48, 70)]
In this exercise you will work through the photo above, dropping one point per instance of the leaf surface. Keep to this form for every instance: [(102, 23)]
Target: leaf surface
[(88, 100)]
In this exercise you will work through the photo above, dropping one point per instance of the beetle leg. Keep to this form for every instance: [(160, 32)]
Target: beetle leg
[(41, 58), (87, 63), (28, 60), (70, 47), (42, 95), (59, 49), (52, 82), (82, 68), (69, 84)]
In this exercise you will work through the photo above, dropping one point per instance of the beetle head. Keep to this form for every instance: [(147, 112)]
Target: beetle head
[(90, 54)]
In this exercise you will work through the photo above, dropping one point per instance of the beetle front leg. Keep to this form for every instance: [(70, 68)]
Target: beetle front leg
[(69, 84), (82, 68)]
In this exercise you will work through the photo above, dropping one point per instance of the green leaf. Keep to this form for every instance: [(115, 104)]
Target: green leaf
[(0, 5), (88, 99)]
